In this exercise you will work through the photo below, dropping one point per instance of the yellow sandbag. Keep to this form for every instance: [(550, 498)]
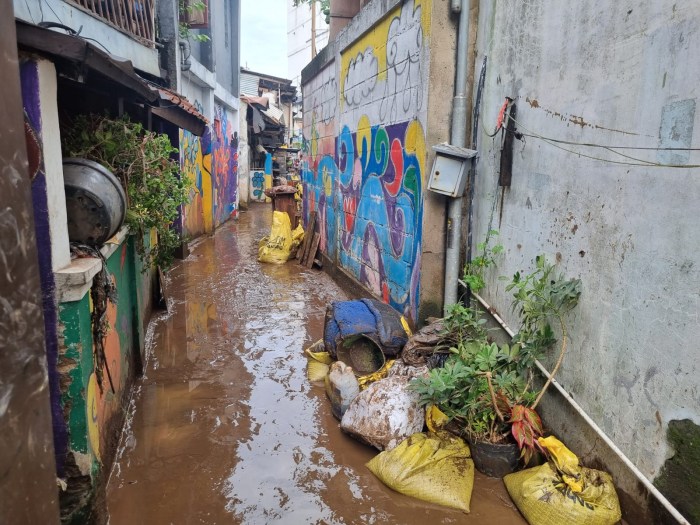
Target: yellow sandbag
[(434, 467), (367, 380), (562, 491), (278, 246), (297, 235), (435, 419), (318, 363)]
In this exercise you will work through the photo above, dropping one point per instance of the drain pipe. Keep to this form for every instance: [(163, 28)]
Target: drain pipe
[(601, 433), (458, 137)]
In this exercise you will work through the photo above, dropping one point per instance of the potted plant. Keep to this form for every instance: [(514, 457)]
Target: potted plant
[(485, 389)]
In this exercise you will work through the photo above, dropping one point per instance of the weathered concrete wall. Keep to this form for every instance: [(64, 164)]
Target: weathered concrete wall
[(244, 189), (28, 481), (94, 411), (366, 160), (608, 73)]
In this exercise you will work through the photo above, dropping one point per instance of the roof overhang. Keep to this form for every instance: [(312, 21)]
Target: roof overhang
[(69, 52)]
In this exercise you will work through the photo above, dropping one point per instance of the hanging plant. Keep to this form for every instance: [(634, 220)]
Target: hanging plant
[(151, 179)]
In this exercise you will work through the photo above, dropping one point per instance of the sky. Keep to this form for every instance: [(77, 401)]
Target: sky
[(264, 36)]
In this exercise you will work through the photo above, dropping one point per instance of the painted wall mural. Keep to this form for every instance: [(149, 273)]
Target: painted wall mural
[(365, 160), (211, 163), (225, 166), (29, 76)]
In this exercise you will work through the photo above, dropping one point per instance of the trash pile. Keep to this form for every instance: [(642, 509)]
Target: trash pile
[(369, 362)]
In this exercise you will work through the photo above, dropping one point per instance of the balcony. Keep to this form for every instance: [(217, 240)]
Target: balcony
[(135, 17)]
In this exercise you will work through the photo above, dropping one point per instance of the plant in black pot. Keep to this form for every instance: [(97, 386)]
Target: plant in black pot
[(485, 390)]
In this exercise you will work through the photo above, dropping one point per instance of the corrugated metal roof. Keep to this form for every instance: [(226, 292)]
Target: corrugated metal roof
[(249, 84)]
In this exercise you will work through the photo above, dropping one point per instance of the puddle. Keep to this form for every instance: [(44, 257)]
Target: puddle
[(225, 428)]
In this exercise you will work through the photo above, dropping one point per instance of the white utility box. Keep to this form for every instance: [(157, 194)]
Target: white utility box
[(450, 169)]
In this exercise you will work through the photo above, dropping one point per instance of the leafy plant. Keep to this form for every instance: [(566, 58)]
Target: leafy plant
[(484, 388), (539, 297), (473, 275), (190, 7), (151, 178)]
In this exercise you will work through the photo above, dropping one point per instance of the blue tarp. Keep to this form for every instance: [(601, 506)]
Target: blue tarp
[(368, 317)]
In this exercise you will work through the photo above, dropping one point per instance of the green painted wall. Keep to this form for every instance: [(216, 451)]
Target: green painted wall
[(77, 335)]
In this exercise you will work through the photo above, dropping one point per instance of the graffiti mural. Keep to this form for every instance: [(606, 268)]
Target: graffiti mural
[(225, 166), (196, 165), (365, 162), (211, 164)]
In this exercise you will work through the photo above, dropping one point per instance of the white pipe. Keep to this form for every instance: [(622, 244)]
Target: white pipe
[(458, 137), (647, 484)]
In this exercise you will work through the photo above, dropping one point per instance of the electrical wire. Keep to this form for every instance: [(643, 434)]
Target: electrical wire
[(637, 161), (51, 8), (523, 131)]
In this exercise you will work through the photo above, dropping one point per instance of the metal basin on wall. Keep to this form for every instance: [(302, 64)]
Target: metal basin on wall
[(95, 201)]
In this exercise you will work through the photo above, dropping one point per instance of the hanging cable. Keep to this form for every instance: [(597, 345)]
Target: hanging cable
[(637, 161)]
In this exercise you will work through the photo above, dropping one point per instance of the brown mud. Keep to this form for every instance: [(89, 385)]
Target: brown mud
[(224, 427)]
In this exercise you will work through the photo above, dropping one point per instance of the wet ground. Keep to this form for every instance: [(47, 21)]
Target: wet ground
[(225, 428)]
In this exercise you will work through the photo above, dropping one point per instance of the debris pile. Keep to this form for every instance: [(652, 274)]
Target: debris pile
[(370, 362)]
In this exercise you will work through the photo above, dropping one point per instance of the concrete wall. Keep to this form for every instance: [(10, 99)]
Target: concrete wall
[(93, 410), (366, 159), (86, 419), (225, 25), (244, 189), (609, 73)]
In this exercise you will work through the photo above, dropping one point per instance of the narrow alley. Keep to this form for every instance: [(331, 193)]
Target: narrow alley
[(224, 427)]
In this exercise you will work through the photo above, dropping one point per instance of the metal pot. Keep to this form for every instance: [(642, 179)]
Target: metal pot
[(95, 201)]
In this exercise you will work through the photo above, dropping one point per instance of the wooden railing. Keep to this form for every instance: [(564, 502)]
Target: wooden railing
[(136, 17)]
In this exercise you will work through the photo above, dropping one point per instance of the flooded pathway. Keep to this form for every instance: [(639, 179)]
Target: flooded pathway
[(225, 428)]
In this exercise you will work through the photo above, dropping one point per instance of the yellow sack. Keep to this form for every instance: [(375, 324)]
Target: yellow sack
[(562, 491), (278, 246), (319, 363), (367, 380), (435, 419), (434, 467)]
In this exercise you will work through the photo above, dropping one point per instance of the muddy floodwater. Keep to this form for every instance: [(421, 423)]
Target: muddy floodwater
[(224, 428)]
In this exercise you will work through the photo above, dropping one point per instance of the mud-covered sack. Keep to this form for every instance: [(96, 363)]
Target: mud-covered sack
[(562, 491), (434, 467), (369, 317), (278, 246), (384, 414)]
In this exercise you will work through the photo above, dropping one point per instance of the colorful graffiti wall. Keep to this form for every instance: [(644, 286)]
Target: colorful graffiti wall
[(365, 156), (211, 163)]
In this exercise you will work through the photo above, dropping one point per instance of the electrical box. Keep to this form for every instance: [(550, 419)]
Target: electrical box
[(450, 169)]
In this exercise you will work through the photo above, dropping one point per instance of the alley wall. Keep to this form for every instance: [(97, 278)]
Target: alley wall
[(211, 164), (627, 75), (366, 160)]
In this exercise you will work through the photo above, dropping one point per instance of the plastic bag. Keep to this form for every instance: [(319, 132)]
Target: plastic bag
[(434, 467), (562, 491), (278, 246)]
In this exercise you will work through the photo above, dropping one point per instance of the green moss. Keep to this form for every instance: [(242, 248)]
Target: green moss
[(680, 477)]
